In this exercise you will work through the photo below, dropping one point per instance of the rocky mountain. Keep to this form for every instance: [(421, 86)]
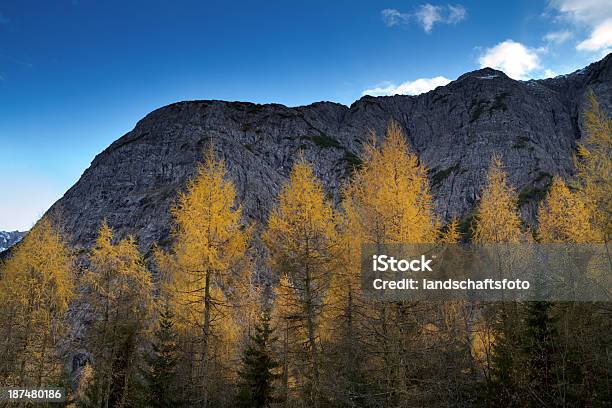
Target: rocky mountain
[(454, 129), (9, 238)]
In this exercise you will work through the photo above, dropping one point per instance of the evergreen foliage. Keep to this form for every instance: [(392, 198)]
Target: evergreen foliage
[(161, 389), (258, 372)]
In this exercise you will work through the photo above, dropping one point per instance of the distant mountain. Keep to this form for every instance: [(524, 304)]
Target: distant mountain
[(9, 238), (454, 129)]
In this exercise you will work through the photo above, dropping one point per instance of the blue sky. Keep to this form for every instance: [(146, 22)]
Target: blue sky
[(76, 75)]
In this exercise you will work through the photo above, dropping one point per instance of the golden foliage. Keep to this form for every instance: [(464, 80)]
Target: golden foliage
[(388, 200), (564, 217), (300, 238), (301, 228), (209, 240), (119, 295), (595, 166), (119, 282), (451, 235), (497, 218), (205, 278), (36, 287)]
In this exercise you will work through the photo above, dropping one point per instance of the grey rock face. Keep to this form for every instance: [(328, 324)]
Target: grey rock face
[(454, 129)]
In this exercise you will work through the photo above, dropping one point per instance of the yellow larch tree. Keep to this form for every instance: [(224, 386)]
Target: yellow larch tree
[(451, 233), (389, 198), (299, 238), (387, 201), (342, 318), (564, 217), (497, 221), (497, 216), (119, 297), (594, 166), (287, 319), (36, 288), (207, 257)]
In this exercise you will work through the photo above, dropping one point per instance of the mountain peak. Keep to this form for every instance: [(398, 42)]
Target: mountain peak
[(484, 73)]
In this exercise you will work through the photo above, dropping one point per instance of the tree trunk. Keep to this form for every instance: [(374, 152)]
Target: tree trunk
[(286, 364), (312, 339), (206, 330)]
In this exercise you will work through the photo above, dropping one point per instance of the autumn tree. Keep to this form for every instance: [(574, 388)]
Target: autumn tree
[(204, 264), (287, 317), (118, 294), (341, 323), (36, 288), (497, 222), (300, 238), (594, 165), (497, 216), (594, 184), (563, 216), (387, 201), (564, 341)]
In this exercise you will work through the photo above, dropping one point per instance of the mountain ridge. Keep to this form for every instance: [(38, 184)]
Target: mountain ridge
[(10, 238), (454, 129)]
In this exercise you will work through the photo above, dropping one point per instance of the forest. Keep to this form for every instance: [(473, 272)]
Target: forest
[(198, 322)]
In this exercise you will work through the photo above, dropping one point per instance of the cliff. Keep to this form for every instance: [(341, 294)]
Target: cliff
[(454, 129)]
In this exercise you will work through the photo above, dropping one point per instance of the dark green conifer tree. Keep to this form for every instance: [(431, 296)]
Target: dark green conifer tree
[(506, 359), (258, 371), (160, 376), (539, 343)]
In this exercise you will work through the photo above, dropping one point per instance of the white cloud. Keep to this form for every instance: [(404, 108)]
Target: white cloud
[(427, 16), (415, 87), (600, 38), (393, 17), (557, 37), (589, 12), (516, 60), (456, 14), (549, 73), (596, 15)]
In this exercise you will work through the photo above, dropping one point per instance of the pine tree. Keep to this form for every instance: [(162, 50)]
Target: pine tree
[(160, 376), (300, 238), (539, 342), (341, 322), (36, 288), (451, 233), (259, 367)]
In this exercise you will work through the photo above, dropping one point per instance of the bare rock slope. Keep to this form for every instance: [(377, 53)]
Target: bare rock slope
[(454, 129)]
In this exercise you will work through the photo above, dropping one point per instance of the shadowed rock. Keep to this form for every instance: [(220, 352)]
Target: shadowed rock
[(454, 129)]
